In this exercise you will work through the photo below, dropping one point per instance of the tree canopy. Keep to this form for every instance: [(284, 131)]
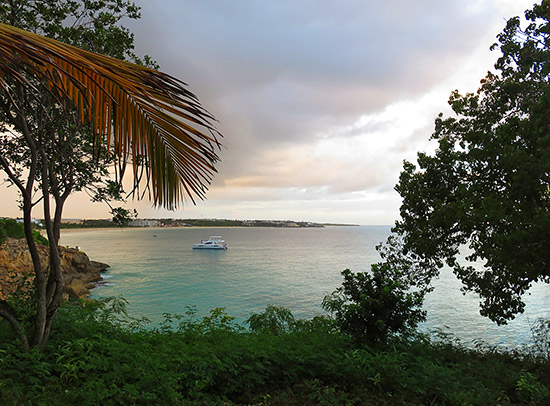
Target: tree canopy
[(485, 192), (67, 112), (154, 115)]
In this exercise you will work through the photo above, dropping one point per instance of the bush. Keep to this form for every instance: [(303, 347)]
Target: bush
[(373, 306), (97, 356), (11, 228), (275, 319), (14, 229), (540, 339)]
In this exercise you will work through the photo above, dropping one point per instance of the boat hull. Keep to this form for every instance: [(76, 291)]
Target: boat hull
[(208, 247)]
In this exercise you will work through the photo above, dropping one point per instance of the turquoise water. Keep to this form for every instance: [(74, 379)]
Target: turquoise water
[(158, 272)]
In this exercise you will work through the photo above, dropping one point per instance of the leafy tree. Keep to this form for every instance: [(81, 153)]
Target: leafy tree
[(371, 307), (122, 216), (65, 111), (275, 319), (485, 192), (95, 26)]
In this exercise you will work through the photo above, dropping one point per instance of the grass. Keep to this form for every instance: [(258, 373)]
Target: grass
[(96, 356)]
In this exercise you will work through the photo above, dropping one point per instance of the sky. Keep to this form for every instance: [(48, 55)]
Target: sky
[(319, 101)]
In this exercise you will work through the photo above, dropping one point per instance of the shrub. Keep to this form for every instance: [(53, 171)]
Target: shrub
[(11, 228), (540, 339), (97, 357), (275, 319), (14, 229), (373, 306)]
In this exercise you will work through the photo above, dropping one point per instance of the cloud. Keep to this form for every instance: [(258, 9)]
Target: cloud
[(278, 75), (320, 101)]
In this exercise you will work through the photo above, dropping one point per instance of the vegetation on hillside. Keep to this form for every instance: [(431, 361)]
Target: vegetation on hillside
[(168, 222), (15, 229), (248, 223), (96, 357)]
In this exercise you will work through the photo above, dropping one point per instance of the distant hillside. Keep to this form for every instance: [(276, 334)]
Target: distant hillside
[(249, 223), (199, 223)]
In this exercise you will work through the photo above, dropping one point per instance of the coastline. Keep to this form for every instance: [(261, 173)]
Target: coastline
[(80, 274), (76, 230), (186, 223)]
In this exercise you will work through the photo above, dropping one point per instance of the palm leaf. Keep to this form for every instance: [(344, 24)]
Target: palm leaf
[(138, 112)]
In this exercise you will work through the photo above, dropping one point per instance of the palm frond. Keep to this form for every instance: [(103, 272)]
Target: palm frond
[(145, 114)]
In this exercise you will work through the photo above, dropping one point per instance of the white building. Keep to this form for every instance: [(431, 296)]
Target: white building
[(144, 223)]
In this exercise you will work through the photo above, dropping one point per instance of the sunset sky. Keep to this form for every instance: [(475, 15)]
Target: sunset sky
[(319, 101)]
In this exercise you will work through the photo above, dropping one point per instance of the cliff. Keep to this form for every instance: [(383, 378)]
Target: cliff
[(16, 269)]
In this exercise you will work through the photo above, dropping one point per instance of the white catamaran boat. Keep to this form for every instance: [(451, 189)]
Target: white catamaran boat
[(215, 242)]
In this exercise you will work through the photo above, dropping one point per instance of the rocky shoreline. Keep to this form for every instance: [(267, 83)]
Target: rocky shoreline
[(80, 274)]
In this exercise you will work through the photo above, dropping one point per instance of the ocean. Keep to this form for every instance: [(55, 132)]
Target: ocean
[(157, 272)]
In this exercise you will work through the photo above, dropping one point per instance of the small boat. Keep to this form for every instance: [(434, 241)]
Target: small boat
[(215, 242)]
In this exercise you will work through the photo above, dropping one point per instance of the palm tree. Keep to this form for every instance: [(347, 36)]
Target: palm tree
[(140, 115)]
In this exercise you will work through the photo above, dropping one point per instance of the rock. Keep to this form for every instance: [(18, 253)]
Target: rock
[(17, 271), (76, 289)]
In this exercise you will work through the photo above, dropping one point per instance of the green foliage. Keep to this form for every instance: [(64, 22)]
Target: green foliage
[(48, 153), (39, 238), (371, 307), (99, 356), (540, 339), (74, 159), (217, 320), (14, 229), (90, 223), (20, 286), (122, 217), (89, 24), (529, 388), (275, 319), (486, 187)]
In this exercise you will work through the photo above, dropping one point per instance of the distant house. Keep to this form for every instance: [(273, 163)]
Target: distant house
[(144, 223), (34, 221)]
